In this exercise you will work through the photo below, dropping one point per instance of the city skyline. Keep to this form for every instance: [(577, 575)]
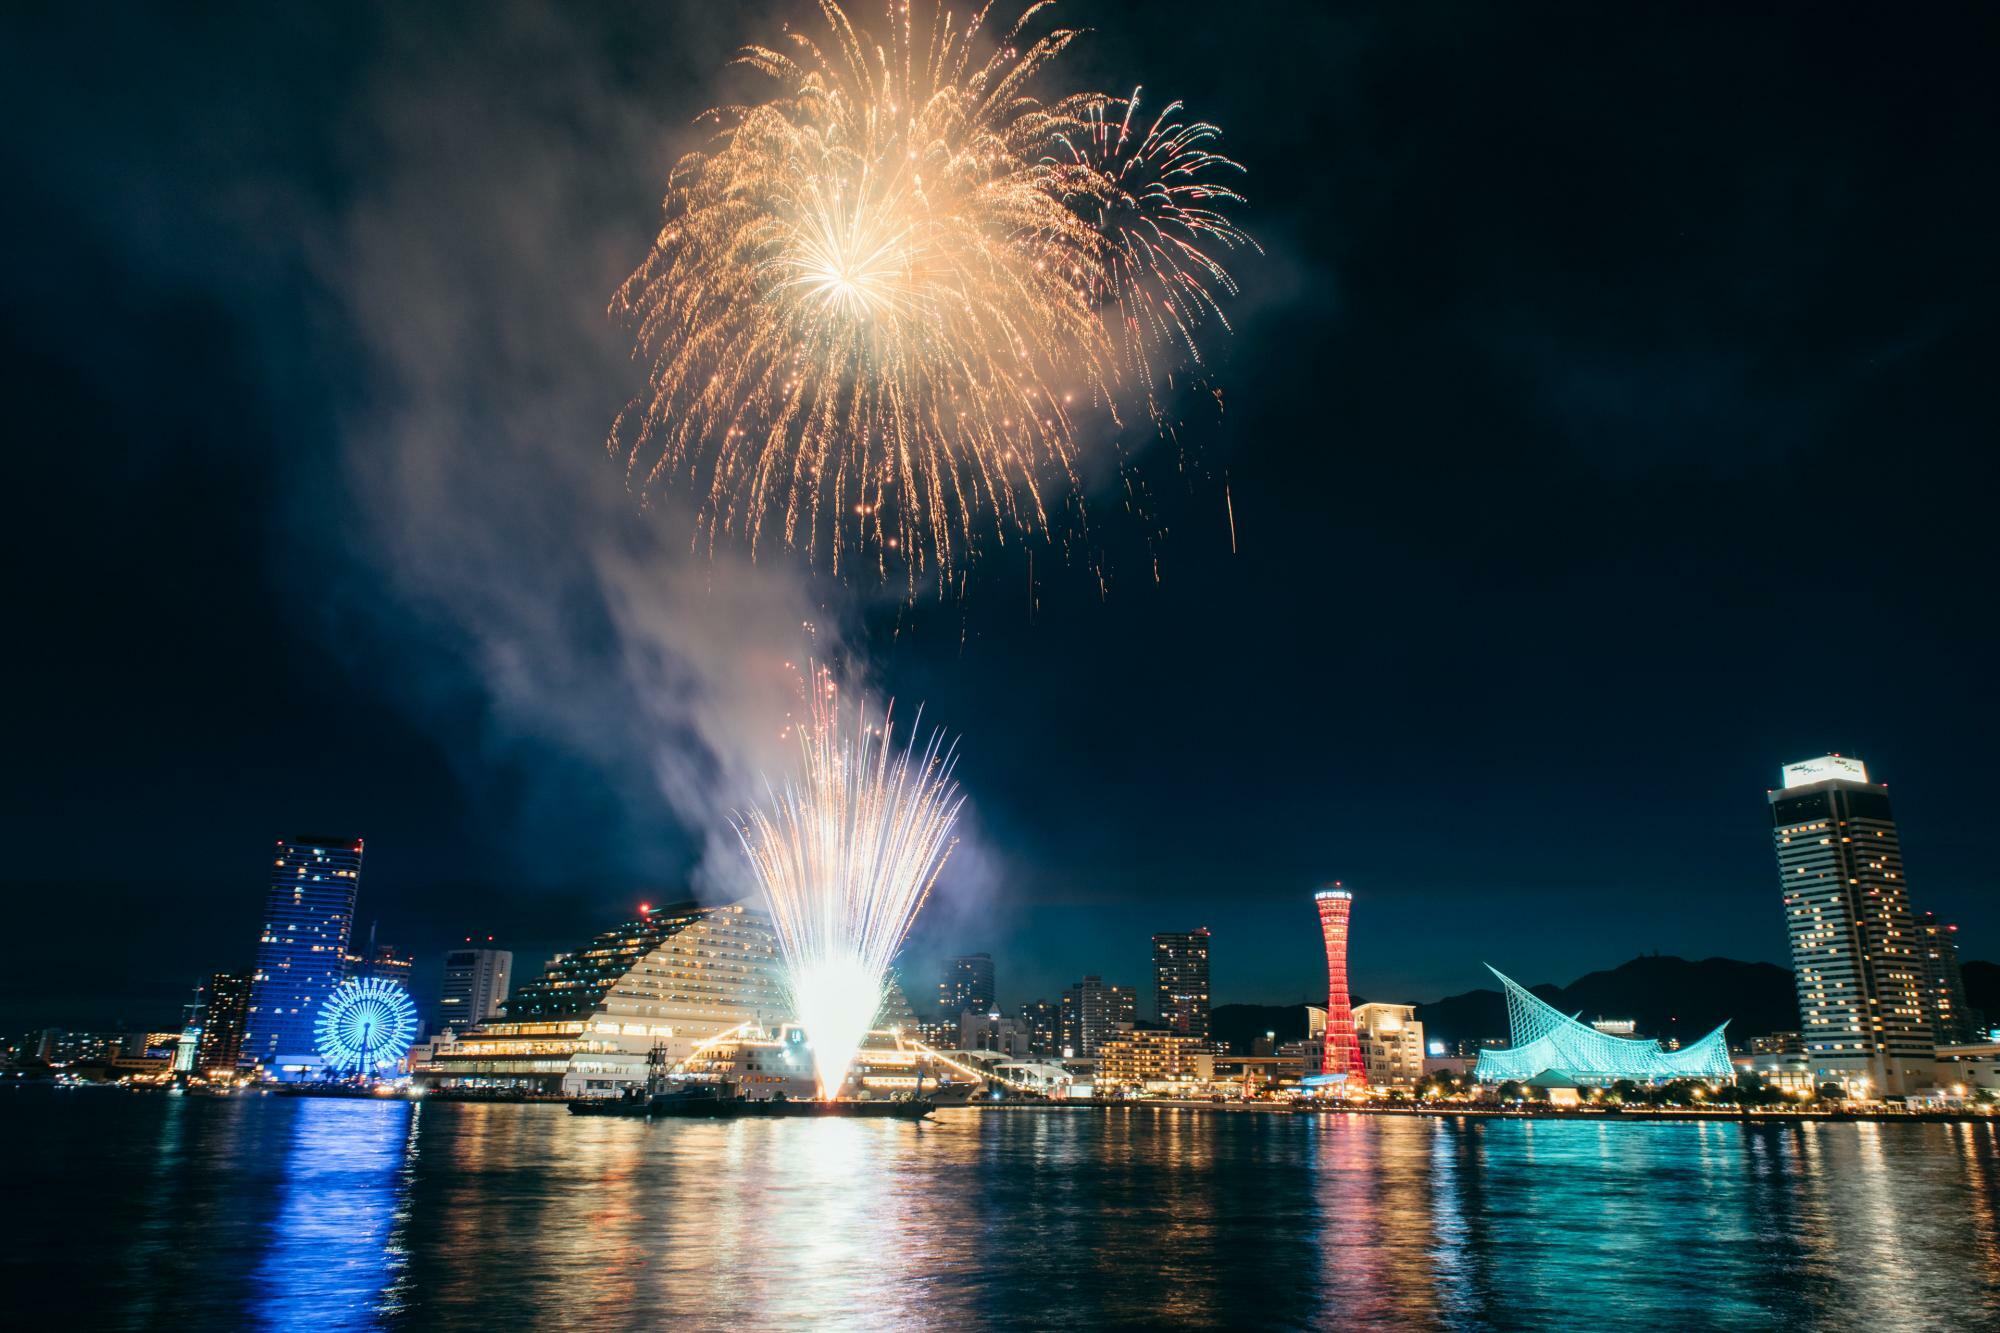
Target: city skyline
[(1528, 549), (1177, 960)]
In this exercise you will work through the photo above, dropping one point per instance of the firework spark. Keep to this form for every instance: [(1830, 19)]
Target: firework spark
[(847, 851), (882, 297), (1159, 206)]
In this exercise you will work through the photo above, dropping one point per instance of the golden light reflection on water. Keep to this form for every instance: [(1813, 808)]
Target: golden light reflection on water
[(353, 1214)]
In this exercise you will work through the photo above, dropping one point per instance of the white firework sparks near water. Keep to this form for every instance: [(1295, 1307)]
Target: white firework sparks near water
[(847, 850)]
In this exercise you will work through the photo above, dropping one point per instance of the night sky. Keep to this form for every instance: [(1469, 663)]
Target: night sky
[(1609, 420)]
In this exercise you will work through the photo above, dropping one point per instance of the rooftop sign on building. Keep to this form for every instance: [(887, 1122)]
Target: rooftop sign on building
[(1808, 771)]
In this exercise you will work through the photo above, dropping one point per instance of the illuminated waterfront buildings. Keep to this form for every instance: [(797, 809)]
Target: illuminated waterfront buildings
[(302, 952), (1392, 1044), (475, 984), (1341, 1061), (966, 987), (226, 1004), (674, 978), (1155, 1061), (1857, 958), (1092, 1012), (1180, 981)]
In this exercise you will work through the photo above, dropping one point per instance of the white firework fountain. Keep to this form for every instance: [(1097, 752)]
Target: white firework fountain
[(847, 849)]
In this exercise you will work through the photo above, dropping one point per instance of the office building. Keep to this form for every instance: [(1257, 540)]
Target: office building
[(1342, 1061), (1952, 1022), (475, 984), (966, 987), (226, 1005), (59, 1047), (991, 1032), (1180, 981), (1092, 1012), (1043, 1019), (1301, 1058), (384, 961), (1392, 1044), (1857, 958), (302, 952), (671, 980)]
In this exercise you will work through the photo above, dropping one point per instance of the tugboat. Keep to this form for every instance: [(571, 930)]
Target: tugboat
[(631, 1102), (634, 1100)]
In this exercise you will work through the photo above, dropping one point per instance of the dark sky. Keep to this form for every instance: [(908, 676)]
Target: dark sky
[(1609, 420)]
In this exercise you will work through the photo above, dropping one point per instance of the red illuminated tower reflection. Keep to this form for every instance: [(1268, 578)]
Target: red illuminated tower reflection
[(1343, 1049)]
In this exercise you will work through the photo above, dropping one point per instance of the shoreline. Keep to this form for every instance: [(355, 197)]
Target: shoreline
[(1649, 1113)]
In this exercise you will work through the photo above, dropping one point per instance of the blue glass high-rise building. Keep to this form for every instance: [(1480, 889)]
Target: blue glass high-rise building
[(302, 953)]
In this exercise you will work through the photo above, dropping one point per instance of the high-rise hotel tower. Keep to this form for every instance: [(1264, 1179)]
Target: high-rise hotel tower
[(966, 987), (302, 952), (1180, 981), (1856, 953), (475, 986)]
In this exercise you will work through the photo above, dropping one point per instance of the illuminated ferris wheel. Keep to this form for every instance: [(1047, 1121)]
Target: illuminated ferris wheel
[(366, 1026)]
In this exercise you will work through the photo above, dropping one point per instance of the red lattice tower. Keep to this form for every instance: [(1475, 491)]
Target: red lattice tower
[(1343, 1048)]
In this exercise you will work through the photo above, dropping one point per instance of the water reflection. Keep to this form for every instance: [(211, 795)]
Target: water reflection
[(335, 1259), (162, 1212)]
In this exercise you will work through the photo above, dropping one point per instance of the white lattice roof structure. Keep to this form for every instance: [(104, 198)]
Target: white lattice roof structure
[(1546, 1039)]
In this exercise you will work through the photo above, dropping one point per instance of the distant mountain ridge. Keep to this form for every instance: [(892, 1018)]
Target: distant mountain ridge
[(1664, 996)]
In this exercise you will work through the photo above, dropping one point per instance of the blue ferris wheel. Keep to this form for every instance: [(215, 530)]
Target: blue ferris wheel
[(366, 1026)]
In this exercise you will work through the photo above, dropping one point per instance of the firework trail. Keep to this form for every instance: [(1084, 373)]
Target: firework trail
[(847, 851), (1163, 214), (882, 297)]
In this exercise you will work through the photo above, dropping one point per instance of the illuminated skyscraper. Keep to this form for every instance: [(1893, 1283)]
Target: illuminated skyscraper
[(966, 987), (1343, 1048), (475, 983), (226, 1003), (1180, 981), (1043, 1019), (1952, 1021), (1092, 1012), (1856, 954), (302, 953)]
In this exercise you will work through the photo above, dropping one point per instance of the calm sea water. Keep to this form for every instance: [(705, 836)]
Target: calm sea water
[(180, 1212)]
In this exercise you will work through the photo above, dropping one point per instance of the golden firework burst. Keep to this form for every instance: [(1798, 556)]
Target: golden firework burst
[(883, 295)]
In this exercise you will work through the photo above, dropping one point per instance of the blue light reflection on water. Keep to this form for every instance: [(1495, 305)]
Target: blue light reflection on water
[(149, 1212), (334, 1258)]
